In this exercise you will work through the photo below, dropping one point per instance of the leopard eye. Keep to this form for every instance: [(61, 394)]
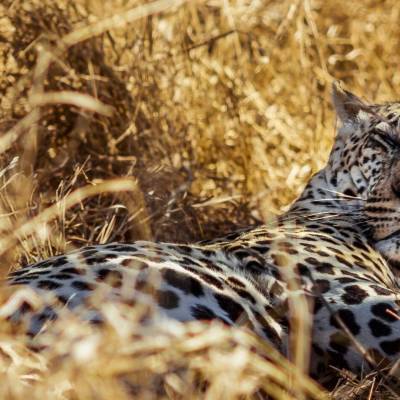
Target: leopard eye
[(387, 137)]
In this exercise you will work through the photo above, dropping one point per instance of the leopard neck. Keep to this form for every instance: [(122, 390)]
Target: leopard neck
[(323, 195)]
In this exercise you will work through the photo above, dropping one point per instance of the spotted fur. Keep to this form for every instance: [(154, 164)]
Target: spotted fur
[(338, 245)]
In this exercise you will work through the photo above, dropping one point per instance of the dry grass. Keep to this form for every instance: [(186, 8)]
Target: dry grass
[(173, 121)]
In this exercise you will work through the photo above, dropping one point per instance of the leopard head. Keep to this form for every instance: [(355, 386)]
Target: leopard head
[(364, 165)]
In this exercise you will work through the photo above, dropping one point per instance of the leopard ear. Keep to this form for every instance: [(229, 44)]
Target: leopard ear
[(347, 105)]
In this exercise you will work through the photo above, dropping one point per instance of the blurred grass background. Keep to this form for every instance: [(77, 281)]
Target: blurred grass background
[(218, 111)]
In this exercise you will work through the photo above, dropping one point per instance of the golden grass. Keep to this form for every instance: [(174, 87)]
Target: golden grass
[(211, 115)]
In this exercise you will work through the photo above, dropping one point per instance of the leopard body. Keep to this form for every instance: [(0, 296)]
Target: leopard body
[(337, 248)]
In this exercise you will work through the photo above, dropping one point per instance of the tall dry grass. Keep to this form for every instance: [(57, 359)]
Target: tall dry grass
[(174, 121)]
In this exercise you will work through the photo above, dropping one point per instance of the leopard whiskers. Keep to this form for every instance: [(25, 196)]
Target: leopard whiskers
[(343, 195)]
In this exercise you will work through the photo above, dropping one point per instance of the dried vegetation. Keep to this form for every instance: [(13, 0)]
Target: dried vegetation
[(174, 121)]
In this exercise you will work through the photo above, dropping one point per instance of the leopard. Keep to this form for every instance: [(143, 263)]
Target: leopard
[(337, 247)]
